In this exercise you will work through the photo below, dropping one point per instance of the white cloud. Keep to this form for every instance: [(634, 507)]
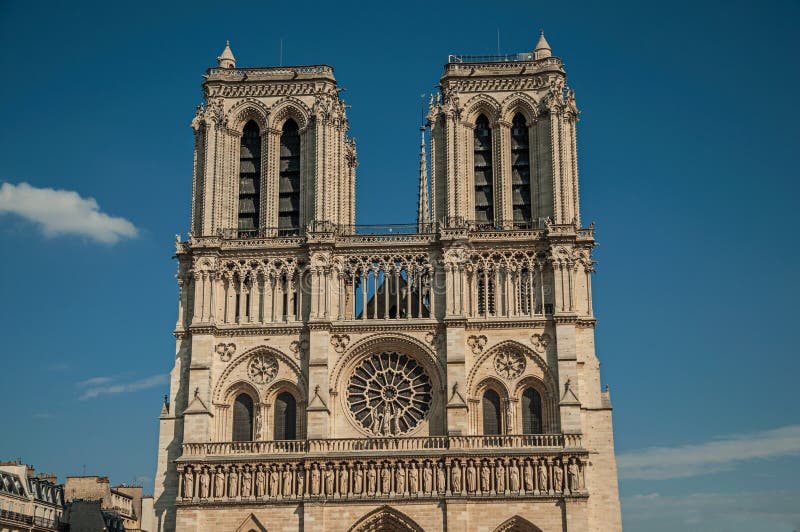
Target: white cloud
[(102, 386), (660, 463), (63, 212), (710, 512)]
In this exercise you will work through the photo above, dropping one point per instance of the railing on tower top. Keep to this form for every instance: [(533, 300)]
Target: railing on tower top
[(512, 441), (503, 58)]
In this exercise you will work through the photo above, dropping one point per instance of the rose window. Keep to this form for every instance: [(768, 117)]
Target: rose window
[(389, 394), (509, 364), (262, 368)]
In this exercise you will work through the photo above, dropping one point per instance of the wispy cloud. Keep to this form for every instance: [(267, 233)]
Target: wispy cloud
[(710, 512), (660, 463), (42, 415), (63, 212), (58, 366), (105, 385)]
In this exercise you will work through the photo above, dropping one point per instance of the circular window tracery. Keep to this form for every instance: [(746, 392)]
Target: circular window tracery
[(262, 368), (509, 364), (389, 394)]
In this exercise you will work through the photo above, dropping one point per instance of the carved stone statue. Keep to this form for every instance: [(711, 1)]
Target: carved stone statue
[(400, 479), (247, 482), (358, 480), (219, 483), (441, 480), (455, 477), (386, 480), (274, 482), (372, 477), (528, 475), (485, 477), (558, 477), (500, 477), (574, 476), (330, 481), (344, 478), (301, 482), (513, 478), (188, 483), (205, 483), (427, 478), (287, 481), (413, 479), (260, 482), (471, 477), (233, 483), (315, 480), (543, 477)]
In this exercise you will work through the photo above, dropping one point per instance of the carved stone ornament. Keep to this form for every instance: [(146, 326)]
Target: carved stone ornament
[(297, 347), (540, 342), (389, 394), (225, 351), (509, 364), (477, 343), (262, 368), (340, 342)]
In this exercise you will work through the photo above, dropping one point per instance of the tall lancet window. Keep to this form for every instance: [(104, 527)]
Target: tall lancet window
[(520, 170), (243, 418), (285, 417), (484, 183), (531, 412), (289, 185), (249, 177), (491, 413)]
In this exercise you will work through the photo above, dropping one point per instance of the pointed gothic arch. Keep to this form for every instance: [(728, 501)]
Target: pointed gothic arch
[(517, 524), (386, 519)]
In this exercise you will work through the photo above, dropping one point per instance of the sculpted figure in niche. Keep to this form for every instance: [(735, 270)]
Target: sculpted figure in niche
[(315, 480), (471, 477), (441, 479), (205, 483), (330, 481), (233, 483), (485, 477), (274, 482), (247, 481), (343, 480), (219, 483), (513, 477), (358, 480), (574, 476), (400, 479), (558, 477), (260, 481), (427, 478), (287, 481), (372, 477), (301, 482), (386, 480), (413, 479), (528, 476), (543, 477), (188, 483), (455, 480), (500, 477)]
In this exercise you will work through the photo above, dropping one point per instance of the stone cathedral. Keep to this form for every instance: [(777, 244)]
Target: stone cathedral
[(436, 376)]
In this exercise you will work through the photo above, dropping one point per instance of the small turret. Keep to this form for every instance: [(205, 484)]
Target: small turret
[(226, 59), (542, 47)]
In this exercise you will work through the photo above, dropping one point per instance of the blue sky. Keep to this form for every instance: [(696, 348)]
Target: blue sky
[(687, 154)]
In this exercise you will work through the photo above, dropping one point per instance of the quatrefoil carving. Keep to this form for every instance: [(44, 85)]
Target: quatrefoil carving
[(298, 347), (540, 342), (225, 351), (477, 343), (339, 342)]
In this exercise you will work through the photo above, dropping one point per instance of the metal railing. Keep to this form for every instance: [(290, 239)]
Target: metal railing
[(503, 58), (16, 517), (334, 445)]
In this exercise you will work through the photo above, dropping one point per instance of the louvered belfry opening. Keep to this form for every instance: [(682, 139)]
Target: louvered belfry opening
[(285, 417), (249, 177), (531, 412), (243, 418), (520, 170), (289, 180), (491, 413), (484, 183)]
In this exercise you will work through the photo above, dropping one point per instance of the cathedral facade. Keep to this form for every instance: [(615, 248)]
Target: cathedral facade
[(439, 376)]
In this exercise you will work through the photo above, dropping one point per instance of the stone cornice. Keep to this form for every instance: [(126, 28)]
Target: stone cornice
[(506, 323), (245, 330)]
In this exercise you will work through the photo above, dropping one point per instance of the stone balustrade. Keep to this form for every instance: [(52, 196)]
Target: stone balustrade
[(358, 445)]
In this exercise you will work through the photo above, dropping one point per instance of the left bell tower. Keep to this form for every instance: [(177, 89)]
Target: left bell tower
[(271, 151)]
